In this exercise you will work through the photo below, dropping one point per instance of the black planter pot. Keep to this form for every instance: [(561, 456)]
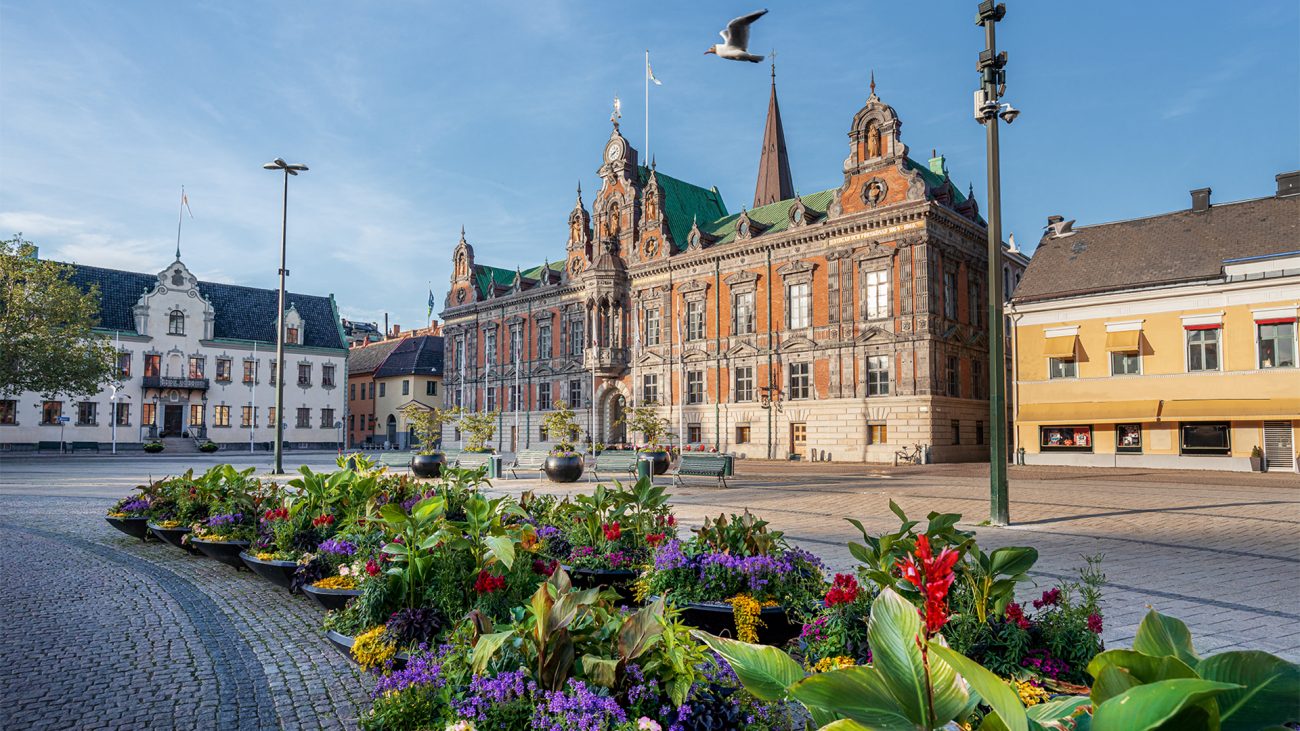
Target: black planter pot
[(563, 468), (428, 465), (174, 536), (331, 599), (659, 461), (134, 527), (776, 628), (279, 573), (343, 644), (620, 580), (226, 552)]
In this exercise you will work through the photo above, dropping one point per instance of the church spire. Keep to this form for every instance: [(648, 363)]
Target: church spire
[(774, 181)]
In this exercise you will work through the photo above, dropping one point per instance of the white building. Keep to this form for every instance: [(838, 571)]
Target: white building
[(195, 360)]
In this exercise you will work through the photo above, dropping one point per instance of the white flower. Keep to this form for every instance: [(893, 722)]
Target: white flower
[(646, 724), (461, 726), (344, 570)]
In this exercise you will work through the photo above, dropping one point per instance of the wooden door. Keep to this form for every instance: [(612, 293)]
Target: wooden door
[(799, 438)]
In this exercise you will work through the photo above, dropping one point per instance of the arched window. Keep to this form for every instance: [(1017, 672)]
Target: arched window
[(176, 323)]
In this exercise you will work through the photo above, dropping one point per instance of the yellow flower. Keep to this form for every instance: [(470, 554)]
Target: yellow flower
[(336, 582), (1030, 694), (116, 515), (832, 663), (641, 589), (264, 556), (170, 524), (370, 649), (745, 610)]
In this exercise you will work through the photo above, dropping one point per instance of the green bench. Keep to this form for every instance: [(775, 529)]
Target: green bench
[(702, 465), (49, 446), (615, 463), (472, 460), (527, 461), (85, 446), (395, 459)]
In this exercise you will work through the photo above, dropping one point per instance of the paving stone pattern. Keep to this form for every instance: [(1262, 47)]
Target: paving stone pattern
[(106, 632)]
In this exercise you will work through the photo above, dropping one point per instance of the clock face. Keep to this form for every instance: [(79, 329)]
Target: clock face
[(613, 152)]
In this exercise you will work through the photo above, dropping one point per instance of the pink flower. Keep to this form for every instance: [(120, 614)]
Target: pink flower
[(1094, 623)]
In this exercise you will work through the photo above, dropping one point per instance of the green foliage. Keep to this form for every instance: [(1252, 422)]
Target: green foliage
[(645, 420), (426, 422), (561, 426), (477, 426), (47, 342), (741, 535)]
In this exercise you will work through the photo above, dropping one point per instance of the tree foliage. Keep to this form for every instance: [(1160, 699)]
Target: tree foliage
[(47, 344)]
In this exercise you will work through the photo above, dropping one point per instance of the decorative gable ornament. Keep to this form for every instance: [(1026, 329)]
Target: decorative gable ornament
[(801, 214), (747, 228), (697, 239)]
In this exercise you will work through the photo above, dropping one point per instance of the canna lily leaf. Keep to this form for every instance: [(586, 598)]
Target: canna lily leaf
[(892, 634), (1138, 666), (1271, 687), (991, 688), (766, 672), (1160, 635), (486, 647), (1148, 707), (503, 547), (1012, 560), (858, 693)]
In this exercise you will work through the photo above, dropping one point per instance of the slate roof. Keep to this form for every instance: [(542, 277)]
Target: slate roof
[(420, 355), (242, 313), (1182, 246), (367, 358)]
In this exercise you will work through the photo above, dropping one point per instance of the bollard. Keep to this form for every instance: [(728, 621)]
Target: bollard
[(643, 469), (494, 467)]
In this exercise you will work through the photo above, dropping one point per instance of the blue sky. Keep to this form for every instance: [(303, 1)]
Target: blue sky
[(419, 117)]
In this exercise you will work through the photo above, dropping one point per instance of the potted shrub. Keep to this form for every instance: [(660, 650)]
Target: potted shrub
[(478, 428), (654, 430), (208, 447), (563, 464), (131, 514), (426, 422), (153, 447), (223, 537), (736, 577), (1256, 459)]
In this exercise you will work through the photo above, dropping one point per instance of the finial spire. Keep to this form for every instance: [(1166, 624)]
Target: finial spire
[(652, 162), (773, 54), (873, 82), (617, 114), (774, 180)]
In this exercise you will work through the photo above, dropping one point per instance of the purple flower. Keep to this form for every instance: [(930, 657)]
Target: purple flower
[(135, 506), (423, 668), (217, 521), (338, 547), (547, 532)]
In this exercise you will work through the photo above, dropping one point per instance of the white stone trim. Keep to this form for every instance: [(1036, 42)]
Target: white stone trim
[(1208, 318), (1061, 332), (1126, 326), (1275, 312)]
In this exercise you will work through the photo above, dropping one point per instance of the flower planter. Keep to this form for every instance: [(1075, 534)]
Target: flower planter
[(659, 461), (620, 580), (134, 527), (428, 465), (226, 552), (331, 599), (563, 468), (343, 644), (717, 618), (279, 573), (174, 536)]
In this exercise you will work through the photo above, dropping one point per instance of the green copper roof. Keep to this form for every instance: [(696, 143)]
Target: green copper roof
[(775, 216), (684, 203), (485, 276), (935, 180)]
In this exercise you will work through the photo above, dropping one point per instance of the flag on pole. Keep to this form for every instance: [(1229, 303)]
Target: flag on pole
[(430, 315), (649, 73), (185, 201)]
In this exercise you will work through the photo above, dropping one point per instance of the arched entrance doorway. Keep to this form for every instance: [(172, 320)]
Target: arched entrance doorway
[(611, 410), (391, 436)]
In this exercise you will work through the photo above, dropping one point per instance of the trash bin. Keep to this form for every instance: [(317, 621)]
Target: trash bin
[(494, 466)]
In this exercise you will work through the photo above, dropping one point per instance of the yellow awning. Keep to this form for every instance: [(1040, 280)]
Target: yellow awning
[(1060, 347), (1124, 341), (1090, 412), (1230, 408)]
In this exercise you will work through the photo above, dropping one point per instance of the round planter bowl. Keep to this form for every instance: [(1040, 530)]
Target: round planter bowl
[(279, 573), (428, 465), (776, 630), (134, 527), (331, 599), (562, 468), (226, 552), (620, 580), (343, 644), (659, 461), (174, 536)]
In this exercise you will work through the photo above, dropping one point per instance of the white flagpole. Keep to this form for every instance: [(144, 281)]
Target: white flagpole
[(252, 385), (591, 338), (517, 347), (461, 403), (636, 347), (681, 407), (647, 103)]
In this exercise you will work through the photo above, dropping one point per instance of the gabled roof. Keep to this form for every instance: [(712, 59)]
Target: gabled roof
[(935, 180), (1182, 246), (774, 216), (420, 356), (242, 313), (366, 359), (684, 204)]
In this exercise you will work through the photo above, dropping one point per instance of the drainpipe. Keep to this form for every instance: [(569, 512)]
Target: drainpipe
[(771, 392), (717, 348)]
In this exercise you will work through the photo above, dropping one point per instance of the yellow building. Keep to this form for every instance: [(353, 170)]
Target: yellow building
[(1167, 341)]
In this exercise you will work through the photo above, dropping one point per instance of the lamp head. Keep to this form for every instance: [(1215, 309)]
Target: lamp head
[(1009, 113)]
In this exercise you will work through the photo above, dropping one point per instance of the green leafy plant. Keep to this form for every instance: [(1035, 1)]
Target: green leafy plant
[(419, 531), (561, 425), (478, 428), (645, 419), (742, 535), (426, 422)]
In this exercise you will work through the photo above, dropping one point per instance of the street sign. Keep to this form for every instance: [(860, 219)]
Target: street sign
[(65, 419)]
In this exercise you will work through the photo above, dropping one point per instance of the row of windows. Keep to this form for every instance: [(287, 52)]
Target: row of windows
[(1195, 438), (1275, 348), (224, 374), (88, 414), (176, 326), (430, 389)]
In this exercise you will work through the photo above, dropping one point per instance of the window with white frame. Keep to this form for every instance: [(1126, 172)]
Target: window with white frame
[(1061, 368), (651, 336), (649, 388), (1277, 343), (950, 294), (695, 387), (695, 320), (744, 390), (576, 344), (1125, 363), (490, 398), (878, 375), (516, 343), (952, 369), (877, 302), (544, 341), (176, 323), (742, 313), (575, 394), (800, 380), (543, 396), (798, 305), (1202, 348)]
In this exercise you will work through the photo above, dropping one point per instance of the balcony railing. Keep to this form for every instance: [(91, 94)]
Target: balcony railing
[(198, 384)]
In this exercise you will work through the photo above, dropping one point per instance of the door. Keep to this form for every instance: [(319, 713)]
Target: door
[(799, 438), (391, 434), (1279, 451), (514, 439), (172, 418)]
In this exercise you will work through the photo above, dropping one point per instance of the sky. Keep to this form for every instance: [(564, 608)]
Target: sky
[(419, 117)]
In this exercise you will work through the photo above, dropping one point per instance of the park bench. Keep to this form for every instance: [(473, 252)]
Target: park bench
[(85, 446), (49, 446), (394, 459), (702, 465), (472, 460), (527, 461), (615, 463)]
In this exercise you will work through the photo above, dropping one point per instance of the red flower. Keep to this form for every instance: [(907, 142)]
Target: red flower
[(372, 567), (933, 575), (487, 583), (654, 539), (612, 531), (672, 520), (1016, 615), (276, 514), (843, 591), (322, 520), (1094, 623), (545, 568), (1051, 597)]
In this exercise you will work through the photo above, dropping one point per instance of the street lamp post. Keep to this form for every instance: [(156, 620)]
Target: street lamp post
[(294, 169), (988, 110)]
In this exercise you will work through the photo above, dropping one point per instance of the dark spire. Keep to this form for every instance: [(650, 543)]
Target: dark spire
[(774, 182)]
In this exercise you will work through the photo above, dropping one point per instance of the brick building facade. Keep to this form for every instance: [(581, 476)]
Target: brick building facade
[(837, 325)]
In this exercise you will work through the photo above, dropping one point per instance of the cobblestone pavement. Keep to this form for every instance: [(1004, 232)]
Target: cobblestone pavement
[(105, 632), (102, 631)]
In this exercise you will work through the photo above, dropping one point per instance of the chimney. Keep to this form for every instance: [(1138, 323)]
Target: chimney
[(385, 324), (1201, 200), (1288, 184), (1054, 219)]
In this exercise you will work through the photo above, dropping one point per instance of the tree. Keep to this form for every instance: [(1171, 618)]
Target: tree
[(646, 419), (478, 428), (47, 342), (426, 422), (561, 426)]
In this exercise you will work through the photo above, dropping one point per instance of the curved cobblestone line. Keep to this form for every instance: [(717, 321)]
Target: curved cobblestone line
[(244, 700)]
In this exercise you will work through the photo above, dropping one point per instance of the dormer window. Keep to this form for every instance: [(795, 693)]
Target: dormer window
[(291, 336), (176, 323)]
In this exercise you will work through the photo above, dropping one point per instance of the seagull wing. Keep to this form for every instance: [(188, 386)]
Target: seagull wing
[(737, 31)]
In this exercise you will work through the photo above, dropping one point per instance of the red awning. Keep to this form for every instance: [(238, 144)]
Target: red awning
[(1275, 321), (1214, 326)]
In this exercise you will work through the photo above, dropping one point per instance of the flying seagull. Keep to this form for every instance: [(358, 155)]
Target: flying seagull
[(735, 37)]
